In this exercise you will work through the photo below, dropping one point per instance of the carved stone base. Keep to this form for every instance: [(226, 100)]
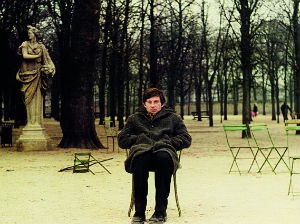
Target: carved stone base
[(33, 138)]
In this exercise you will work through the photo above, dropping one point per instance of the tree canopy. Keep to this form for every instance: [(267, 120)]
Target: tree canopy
[(108, 52)]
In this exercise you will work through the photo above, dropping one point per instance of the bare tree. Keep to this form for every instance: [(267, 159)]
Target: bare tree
[(77, 119), (124, 68), (102, 80), (61, 14), (296, 35), (153, 45), (245, 9)]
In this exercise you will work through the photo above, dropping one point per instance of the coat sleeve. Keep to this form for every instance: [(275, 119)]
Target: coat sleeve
[(126, 138), (181, 138)]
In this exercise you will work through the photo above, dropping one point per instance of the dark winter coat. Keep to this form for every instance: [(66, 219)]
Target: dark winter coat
[(165, 132)]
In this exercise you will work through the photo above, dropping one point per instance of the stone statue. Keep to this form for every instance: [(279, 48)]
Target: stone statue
[(36, 68)]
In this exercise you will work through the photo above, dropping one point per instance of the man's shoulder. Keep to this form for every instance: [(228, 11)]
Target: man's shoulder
[(171, 111), (135, 115), (172, 114)]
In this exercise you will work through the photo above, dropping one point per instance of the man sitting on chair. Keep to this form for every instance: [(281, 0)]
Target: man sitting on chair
[(153, 134)]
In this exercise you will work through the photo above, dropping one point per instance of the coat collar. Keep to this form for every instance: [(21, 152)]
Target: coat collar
[(164, 111)]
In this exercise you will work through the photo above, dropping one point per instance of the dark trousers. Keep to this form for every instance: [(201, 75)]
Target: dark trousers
[(162, 164)]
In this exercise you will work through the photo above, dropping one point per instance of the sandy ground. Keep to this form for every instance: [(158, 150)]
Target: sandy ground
[(33, 191)]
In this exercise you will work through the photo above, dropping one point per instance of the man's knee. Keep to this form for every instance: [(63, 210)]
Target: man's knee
[(162, 155), (142, 162), (163, 159)]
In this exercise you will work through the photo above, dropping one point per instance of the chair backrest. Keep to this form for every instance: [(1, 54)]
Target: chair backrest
[(292, 126), (233, 133), (81, 162), (261, 135), (109, 128)]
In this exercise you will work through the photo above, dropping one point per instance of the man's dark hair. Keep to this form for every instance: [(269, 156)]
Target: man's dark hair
[(151, 92)]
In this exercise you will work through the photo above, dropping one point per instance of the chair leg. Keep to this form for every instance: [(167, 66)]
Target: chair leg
[(291, 178), (113, 140), (254, 159), (266, 160), (281, 159), (234, 161), (131, 198), (176, 195), (107, 147), (175, 191)]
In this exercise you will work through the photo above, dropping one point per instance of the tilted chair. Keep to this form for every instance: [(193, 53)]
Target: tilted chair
[(175, 188), (82, 163)]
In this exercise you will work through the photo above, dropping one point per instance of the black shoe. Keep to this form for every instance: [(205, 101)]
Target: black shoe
[(138, 219), (158, 217)]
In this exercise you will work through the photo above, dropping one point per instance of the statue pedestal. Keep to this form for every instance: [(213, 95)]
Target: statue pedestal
[(33, 138)]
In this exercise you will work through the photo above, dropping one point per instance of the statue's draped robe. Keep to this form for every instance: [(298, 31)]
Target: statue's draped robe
[(33, 75)]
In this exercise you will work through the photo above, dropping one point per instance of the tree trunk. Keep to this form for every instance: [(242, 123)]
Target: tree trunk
[(141, 54), (77, 120), (235, 93), (153, 48), (124, 66), (296, 28), (246, 54), (102, 83), (225, 90)]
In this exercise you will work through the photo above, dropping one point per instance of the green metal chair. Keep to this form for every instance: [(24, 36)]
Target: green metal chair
[(238, 145), (263, 139), (82, 163), (292, 126)]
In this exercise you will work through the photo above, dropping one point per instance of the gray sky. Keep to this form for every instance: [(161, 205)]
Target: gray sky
[(269, 9)]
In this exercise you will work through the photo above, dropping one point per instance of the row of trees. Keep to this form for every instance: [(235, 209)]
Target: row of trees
[(122, 47)]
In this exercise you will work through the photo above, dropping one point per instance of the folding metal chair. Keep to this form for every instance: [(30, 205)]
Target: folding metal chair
[(110, 132), (238, 146), (263, 139), (175, 190), (83, 162), (292, 126)]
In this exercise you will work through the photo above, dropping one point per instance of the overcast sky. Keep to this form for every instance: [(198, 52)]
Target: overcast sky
[(268, 10)]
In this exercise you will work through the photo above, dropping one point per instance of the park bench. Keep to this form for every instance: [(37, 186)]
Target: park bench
[(6, 133), (204, 114)]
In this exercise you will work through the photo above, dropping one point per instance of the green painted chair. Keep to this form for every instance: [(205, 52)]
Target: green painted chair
[(82, 163), (267, 148), (239, 147), (292, 126)]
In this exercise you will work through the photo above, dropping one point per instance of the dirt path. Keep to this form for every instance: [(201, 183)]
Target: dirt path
[(32, 190)]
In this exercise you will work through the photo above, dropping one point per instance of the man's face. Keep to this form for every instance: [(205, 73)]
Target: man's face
[(153, 105)]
